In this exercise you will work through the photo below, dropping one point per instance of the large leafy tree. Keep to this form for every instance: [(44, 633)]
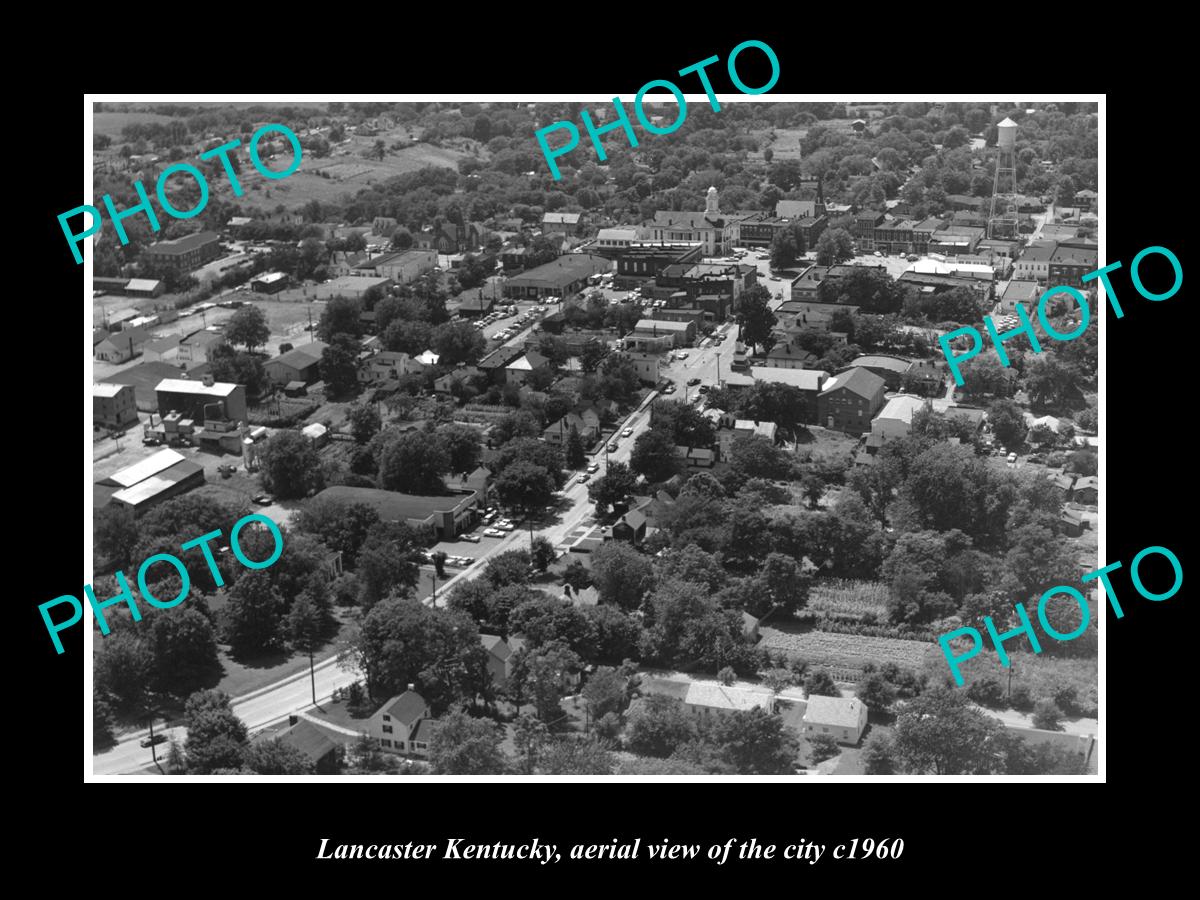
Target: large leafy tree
[(941, 733), (621, 574), (414, 463), (275, 757), (387, 562), (290, 466), (339, 524), (184, 649), (404, 642), (339, 364), (525, 485), (547, 673), (833, 246), (659, 726), (365, 421), (653, 455), (248, 327), (617, 483), (1007, 422), (756, 318), (254, 617), (342, 315), (575, 456), (230, 367), (462, 447), (216, 736), (462, 745)]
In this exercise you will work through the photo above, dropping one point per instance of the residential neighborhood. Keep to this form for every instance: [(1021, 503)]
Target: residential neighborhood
[(653, 469)]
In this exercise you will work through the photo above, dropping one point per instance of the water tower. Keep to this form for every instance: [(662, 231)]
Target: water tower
[(1002, 222)]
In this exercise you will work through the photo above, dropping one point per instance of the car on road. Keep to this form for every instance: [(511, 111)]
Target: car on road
[(704, 388), (151, 442), (692, 382), (159, 738), (494, 532), (263, 499), (912, 257), (612, 446), (1012, 458), (583, 477), (669, 389), (683, 354), (627, 432), (594, 467), (472, 538)]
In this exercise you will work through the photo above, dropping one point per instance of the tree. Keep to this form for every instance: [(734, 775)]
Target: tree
[(592, 354), (342, 315), (339, 364), (542, 554), (756, 318), (621, 574), (275, 757), (547, 672), (508, 568), (876, 693), (230, 367), (247, 326), (184, 649), (821, 684), (307, 623), (574, 756), (783, 249), (387, 562), (403, 641), (833, 246), (617, 483), (289, 465), (461, 443), (574, 450), (755, 456), (879, 755), (115, 533), (124, 671), (414, 463), (461, 745), (754, 742), (653, 455), (365, 421), (457, 343), (254, 616), (658, 727), (823, 747), (525, 486), (1046, 715), (340, 525), (940, 732), (606, 691), (812, 486), (216, 738), (1007, 422)]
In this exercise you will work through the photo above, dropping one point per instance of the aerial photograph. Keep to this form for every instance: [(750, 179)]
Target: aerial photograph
[(411, 458)]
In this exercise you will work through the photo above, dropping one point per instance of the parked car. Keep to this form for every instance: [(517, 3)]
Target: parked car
[(1012, 458), (627, 432), (157, 739), (494, 532), (704, 388), (594, 467), (472, 538), (612, 446), (505, 525), (263, 499), (583, 477), (692, 382)]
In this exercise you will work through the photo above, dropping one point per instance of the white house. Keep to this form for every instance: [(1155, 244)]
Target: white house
[(402, 724), (843, 717), (706, 699)]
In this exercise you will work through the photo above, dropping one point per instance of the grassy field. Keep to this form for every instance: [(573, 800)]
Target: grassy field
[(843, 651), (849, 599), (112, 123), (1040, 673)]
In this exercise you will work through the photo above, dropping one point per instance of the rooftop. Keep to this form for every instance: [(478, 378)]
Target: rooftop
[(891, 363), (842, 712), (859, 381), (184, 244), (406, 707), (805, 379), (721, 697), (303, 356), (901, 408), (104, 389), (188, 386), (142, 470)]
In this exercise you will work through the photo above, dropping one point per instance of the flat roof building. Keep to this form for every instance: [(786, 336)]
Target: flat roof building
[(194, 399)]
